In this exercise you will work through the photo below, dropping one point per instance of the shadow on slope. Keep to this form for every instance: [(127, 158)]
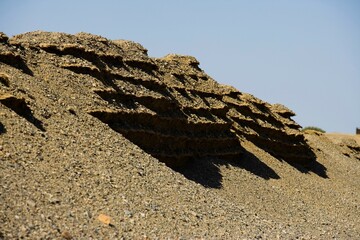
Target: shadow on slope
[(19, 106), (15, 60), (207, 171), (313, 166), (310, 164), (195, 150), (2, 128)]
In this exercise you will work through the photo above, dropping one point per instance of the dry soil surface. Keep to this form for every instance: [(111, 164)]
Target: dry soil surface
[(100, 141)]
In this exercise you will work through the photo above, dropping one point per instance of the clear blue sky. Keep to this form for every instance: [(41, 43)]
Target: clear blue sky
[(304, 54)]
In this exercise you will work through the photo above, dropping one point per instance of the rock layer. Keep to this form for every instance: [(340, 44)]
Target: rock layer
[(168, 106)]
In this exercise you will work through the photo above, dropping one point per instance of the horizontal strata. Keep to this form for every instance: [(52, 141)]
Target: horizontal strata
[(134, 120), (167, 106), (176, 137)]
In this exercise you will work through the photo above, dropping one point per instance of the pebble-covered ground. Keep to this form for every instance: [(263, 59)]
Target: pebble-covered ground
[(65, 174)]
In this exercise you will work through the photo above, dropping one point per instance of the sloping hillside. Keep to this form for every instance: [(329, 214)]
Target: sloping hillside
[(91, 126)]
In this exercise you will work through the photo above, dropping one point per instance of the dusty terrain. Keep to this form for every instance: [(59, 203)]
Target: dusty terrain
[(100, 141)]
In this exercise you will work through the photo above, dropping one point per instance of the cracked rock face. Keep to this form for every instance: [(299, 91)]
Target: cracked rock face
[(84, 119)]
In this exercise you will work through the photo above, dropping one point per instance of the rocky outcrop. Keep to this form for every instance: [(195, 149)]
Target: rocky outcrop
[(167, 106)]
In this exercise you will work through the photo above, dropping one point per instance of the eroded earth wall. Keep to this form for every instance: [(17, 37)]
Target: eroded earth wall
[(167, 106)]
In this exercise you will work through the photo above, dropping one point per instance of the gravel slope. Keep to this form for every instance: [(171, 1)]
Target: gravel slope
[(62, 169)]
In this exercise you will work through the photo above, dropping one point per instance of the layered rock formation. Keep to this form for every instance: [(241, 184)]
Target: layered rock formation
[(167, 106), (100, 141)]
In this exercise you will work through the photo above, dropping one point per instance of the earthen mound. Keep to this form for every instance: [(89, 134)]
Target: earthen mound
[(84, 119)]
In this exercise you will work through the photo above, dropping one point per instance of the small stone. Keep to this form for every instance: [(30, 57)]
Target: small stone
[(66, 235), (128, 213), (71, 110), (104, 219), (54, 200), (31, 203), (23, 228)]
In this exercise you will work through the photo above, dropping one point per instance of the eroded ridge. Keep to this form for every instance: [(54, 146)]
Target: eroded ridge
[(167, 106)]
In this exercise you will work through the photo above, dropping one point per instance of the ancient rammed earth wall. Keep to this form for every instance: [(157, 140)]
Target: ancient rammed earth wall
[(168, 106)]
